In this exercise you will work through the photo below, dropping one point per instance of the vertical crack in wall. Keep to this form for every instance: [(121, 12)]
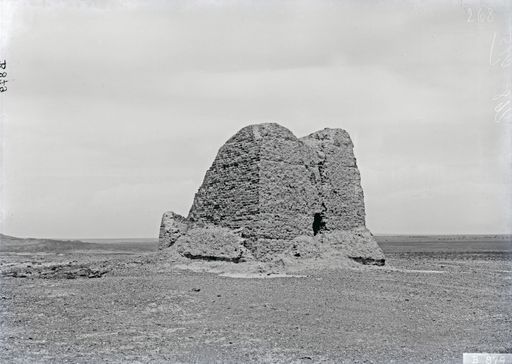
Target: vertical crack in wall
[(318, 168)]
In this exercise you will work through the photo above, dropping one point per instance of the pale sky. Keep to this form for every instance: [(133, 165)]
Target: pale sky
[(114, 110)]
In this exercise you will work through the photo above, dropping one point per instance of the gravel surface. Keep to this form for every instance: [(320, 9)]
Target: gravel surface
[(420, 307)]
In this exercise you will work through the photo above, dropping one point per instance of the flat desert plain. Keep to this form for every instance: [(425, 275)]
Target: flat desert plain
[(120, 301)]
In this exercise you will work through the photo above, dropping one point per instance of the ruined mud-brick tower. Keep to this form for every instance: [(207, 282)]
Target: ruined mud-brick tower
[(270, 188)]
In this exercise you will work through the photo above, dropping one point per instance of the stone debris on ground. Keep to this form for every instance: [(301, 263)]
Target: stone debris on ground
[(58, 271)]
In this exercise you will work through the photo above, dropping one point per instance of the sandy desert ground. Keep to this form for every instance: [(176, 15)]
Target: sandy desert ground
[(117, 301)]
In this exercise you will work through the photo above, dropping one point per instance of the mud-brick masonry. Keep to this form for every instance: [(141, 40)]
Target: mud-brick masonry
[(267, 190)]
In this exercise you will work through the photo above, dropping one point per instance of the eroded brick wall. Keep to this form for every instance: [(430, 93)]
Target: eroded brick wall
[(228, 195), (271, 184)]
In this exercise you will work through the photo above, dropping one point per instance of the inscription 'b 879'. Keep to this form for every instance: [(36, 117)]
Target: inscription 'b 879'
[(3, 74)]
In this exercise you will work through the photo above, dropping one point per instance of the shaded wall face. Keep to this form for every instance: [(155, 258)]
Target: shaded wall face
[(340, 182)]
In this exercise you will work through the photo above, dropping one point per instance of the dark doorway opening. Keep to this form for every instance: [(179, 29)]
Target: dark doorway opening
[(318, 223)]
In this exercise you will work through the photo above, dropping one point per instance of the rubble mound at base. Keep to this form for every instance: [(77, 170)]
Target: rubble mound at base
[(214, 243)]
